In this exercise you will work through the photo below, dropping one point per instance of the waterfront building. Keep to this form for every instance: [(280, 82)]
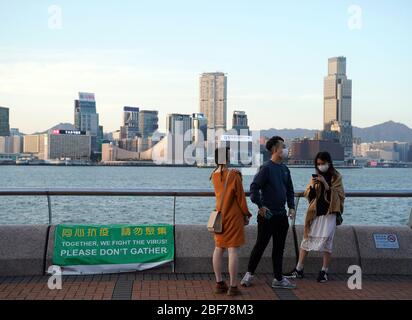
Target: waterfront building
[(240, 122), (138, 144), (116, 135), (68, 146), (382, 155), (130, 126), (65, 144), (144, 143), (179, 127), (63, 141), (391, 151), (148, 151), (403, 149), (241, 149), (304, 151), (360, 149), (111, 152), (31, 144), (129, 144), (87, 119), (4, 122), (199, 126), (4, 145), (178, 124), (11, 144), (148, 123), (17, 144)]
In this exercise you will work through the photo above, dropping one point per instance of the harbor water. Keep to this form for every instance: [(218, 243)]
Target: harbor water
[(193, 210)]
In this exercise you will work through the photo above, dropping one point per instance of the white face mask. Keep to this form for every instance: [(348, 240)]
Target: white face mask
[(285, 153), (323, 168)]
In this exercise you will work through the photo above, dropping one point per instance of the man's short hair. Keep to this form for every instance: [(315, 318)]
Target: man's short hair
[(273, 142)]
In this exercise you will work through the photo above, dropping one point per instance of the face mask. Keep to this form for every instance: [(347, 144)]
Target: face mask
[(323, 168), (285, 153)]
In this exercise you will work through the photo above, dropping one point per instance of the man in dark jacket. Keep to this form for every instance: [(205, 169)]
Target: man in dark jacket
[(271, 190)]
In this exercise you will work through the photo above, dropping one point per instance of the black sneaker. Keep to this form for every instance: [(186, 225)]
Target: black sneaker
[(295, 274), (322, 277)]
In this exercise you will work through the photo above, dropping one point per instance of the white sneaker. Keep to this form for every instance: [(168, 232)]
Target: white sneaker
[(283, 284), (247, 280)]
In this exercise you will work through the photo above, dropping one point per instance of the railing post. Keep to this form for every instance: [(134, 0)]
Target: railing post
[(174, 235), (174, 210), (295, 236), (296, 209), (49, 208), (410, 220)]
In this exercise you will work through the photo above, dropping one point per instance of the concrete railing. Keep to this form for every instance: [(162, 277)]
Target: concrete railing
[(27, 250)]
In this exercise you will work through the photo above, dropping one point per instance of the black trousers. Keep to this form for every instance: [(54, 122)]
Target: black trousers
[(276, 228)]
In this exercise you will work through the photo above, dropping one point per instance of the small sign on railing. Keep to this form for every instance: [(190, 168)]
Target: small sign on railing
[(386, 241)]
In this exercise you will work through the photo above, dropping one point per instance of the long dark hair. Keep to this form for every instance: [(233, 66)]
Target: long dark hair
[(222, 157), (326, 157)]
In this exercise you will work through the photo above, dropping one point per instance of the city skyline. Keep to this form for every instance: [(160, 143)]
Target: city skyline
[(273, 53), (163, 128)]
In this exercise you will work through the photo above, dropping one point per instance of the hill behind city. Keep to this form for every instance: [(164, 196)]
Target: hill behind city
[(389, 131)]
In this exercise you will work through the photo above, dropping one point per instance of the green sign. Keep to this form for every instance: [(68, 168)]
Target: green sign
[(91, 249)]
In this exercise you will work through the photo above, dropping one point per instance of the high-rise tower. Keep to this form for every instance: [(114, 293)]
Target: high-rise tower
[(4, 122), (213, 99), (87, 119), (337, 105)]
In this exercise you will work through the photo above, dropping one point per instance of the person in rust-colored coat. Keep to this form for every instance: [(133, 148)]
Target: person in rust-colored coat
[(235, 215), (235, 208)]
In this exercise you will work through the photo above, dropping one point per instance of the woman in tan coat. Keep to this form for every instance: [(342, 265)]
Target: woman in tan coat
[(326, 196), (235, 215)]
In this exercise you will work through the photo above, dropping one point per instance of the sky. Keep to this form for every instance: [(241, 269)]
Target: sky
[(149, 54)]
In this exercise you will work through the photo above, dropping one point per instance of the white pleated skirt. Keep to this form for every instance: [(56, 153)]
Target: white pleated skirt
[(321, 234)]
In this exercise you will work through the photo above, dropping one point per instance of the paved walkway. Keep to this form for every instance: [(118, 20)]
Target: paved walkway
[(198, 286)]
